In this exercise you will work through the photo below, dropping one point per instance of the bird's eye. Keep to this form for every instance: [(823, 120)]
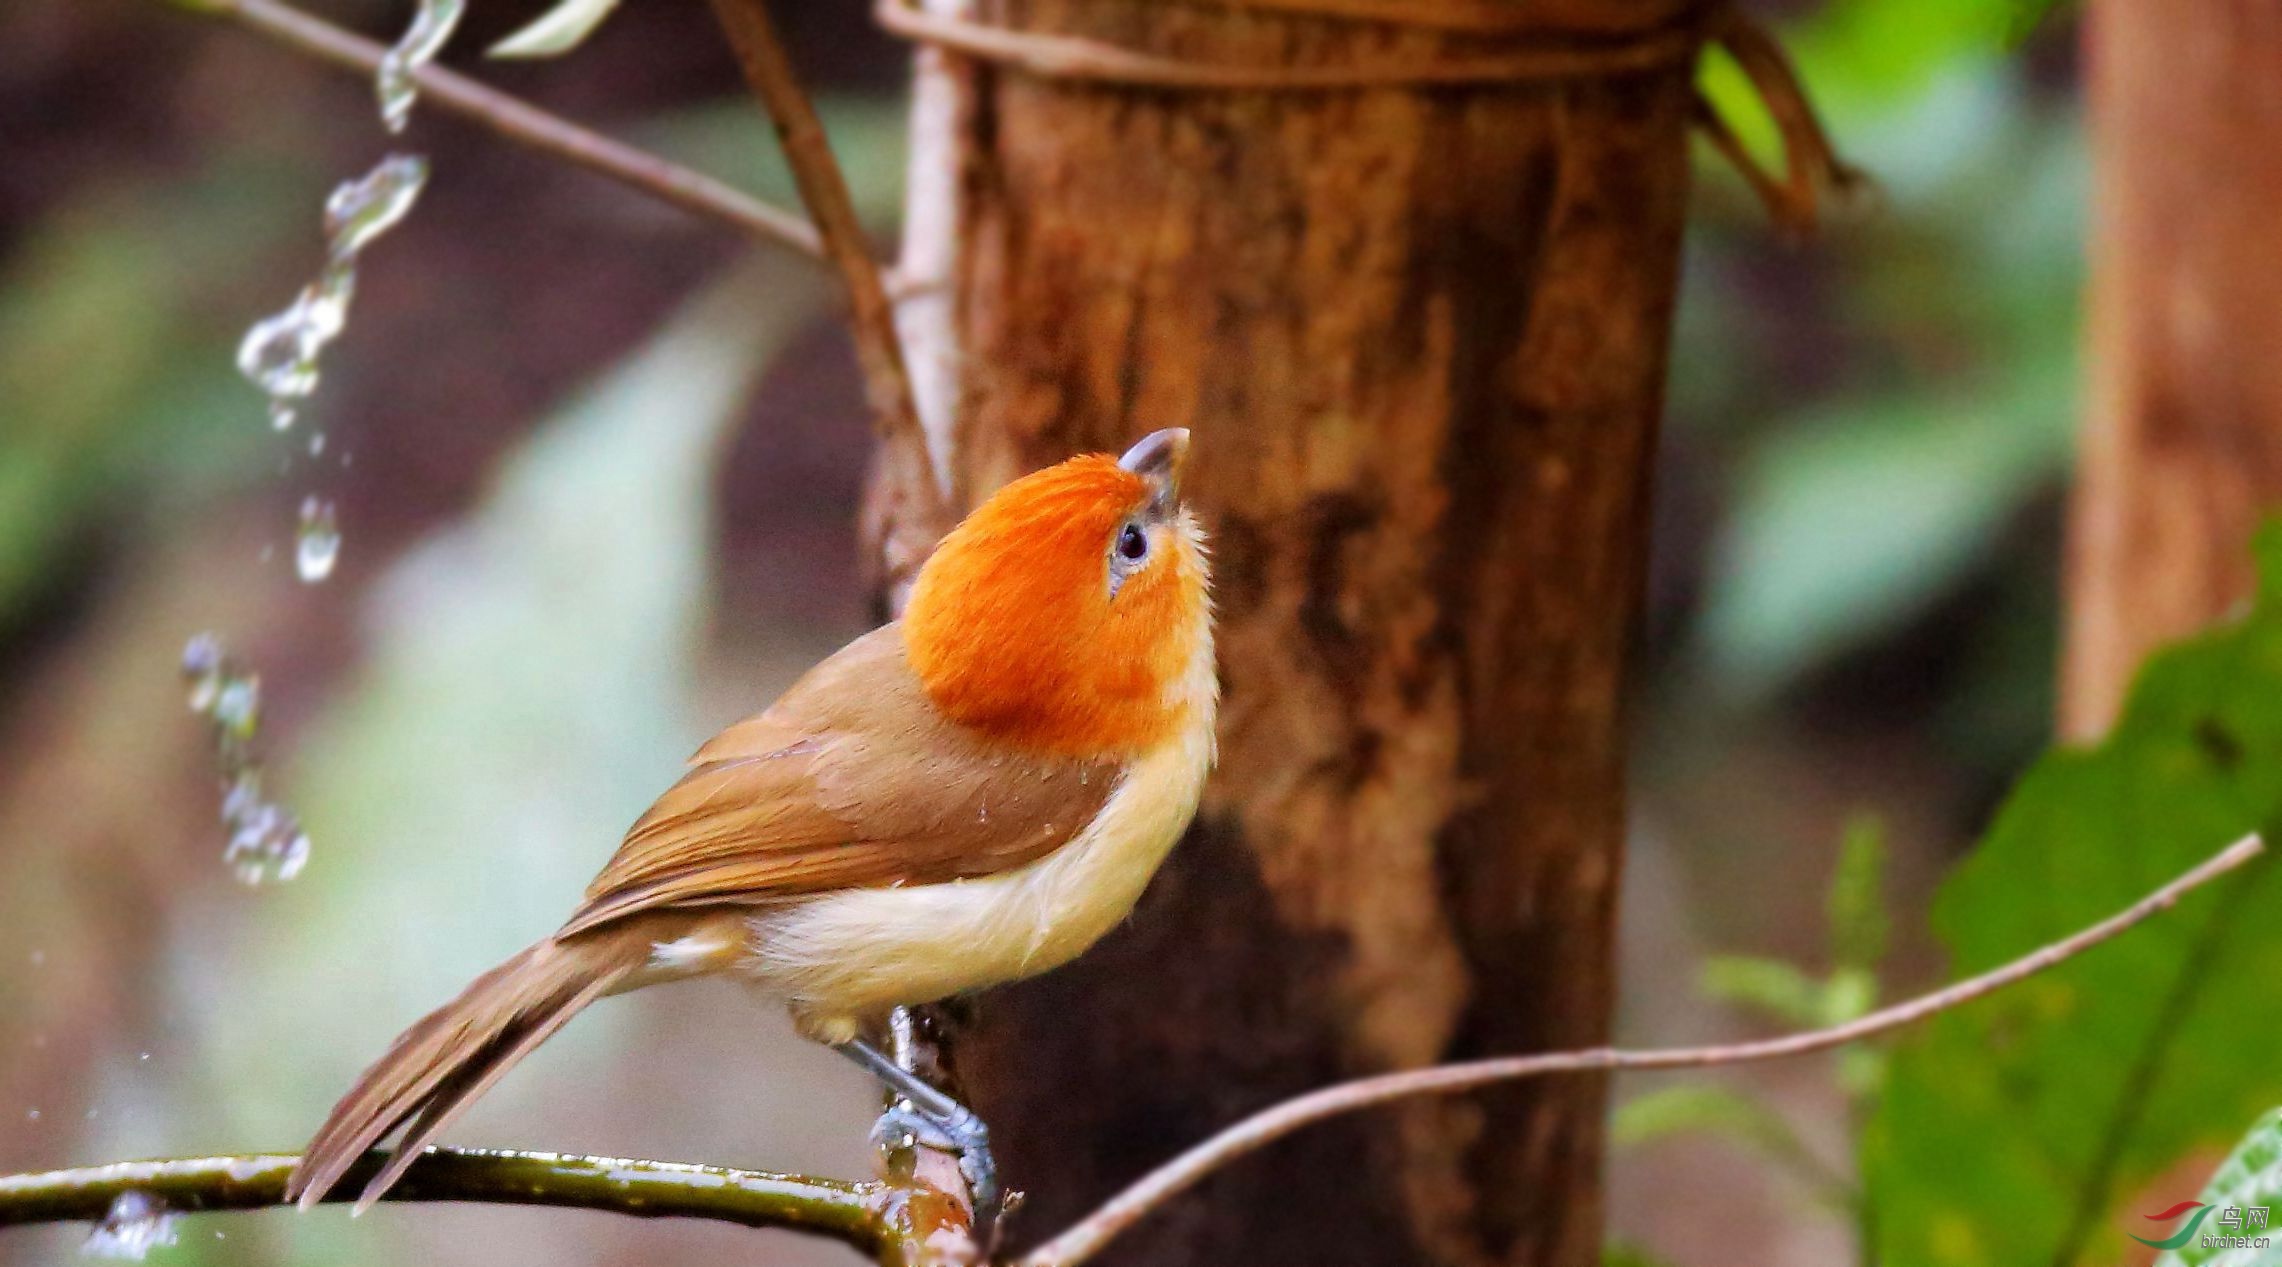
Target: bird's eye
[(1133, 544)]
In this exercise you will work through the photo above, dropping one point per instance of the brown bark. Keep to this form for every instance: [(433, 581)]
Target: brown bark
[(2182, 449), (1420, 336)]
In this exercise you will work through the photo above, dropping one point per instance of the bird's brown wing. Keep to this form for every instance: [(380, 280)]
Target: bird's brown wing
[(852, 780)]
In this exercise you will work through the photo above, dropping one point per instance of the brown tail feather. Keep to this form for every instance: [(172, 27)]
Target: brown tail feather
[(436, 1069)]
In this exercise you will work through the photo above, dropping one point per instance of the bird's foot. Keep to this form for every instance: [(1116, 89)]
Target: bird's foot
[(959, 1132), (921, 1113)]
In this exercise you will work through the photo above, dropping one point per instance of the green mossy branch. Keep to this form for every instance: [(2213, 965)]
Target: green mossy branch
[(853, 1213)]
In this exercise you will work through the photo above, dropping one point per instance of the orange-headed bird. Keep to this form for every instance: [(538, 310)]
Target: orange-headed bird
[(971, 795)]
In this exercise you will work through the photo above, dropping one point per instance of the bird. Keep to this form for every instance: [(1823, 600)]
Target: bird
[(970, 795)]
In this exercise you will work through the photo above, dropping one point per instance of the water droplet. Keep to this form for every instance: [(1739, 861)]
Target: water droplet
[(318, 544), (360, 210), (267, 846), (144, 1056), (136, 1224), (316, 444), (394, 85), (265, 840), (31, 1115), (280, 352)]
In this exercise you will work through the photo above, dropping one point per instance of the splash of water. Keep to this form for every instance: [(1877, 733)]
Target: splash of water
[(266, 842), (280, 353), (318, 543), (136, 1224), (395, 85)]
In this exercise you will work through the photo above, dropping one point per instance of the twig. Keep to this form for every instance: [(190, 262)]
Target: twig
[(529, 126), (847, 1212), (1090, 1234), (879, 352)]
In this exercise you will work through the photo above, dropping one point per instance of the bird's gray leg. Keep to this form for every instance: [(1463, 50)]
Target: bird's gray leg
[(941, 1121)]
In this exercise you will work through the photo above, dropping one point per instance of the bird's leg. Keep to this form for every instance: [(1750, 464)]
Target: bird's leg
[(940, 1121)]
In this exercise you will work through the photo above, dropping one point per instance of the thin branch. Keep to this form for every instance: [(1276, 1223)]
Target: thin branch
[(824, 190), (847, 1212), (1090, 1234), (529, 126)]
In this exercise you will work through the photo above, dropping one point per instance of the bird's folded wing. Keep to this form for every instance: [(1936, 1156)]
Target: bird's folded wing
[(852, 780)]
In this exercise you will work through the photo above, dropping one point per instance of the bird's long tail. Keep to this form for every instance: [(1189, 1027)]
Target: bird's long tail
[(438, 1068)]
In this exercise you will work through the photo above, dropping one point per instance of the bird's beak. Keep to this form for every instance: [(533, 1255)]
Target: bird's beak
[(1157, 459)]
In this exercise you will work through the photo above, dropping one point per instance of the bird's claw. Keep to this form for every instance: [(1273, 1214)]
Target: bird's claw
[(961, 1133)]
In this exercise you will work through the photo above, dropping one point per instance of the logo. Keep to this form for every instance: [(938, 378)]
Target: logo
[(2183, 1235), (2234, 1220)]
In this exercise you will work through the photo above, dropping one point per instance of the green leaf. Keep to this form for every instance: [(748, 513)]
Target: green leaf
[(2009, 1129), (1857, 902), (1861, 515), (1695, 1108), (1771, 986), (555, 32), (2250, 1179), (1706, 1109)]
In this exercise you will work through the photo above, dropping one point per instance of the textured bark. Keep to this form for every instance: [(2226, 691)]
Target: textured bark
[(1420, 336), (2182, 449)]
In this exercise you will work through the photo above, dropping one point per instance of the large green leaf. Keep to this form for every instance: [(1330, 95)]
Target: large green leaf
[(2251, 1180), (2010, 1129)]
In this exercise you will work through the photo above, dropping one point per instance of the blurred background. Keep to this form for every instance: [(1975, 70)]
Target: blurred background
[(582, 527)]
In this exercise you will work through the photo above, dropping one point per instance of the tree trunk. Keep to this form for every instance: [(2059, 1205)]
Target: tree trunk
[(2182, 451), (1420, 335)]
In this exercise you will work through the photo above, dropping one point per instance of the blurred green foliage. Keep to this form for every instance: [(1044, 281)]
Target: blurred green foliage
[(732, 141), (1939, 349), (2008, 1128), (1793, 998), (151, 412)]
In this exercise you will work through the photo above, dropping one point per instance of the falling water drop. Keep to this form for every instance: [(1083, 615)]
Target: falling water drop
[(316, 444), (265, 841), (360, 210), (136, 1224), (394, 84), (280, 352), (318, 543)]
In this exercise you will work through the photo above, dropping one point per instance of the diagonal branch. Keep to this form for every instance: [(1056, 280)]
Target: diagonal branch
[(1083, 1240), (847, 1212), (529, 126), (879, 349)]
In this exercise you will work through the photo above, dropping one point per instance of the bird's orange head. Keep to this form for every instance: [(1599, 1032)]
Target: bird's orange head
[(1069, 613)]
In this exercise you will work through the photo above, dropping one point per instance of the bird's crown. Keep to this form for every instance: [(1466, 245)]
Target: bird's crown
[(1067, 612)]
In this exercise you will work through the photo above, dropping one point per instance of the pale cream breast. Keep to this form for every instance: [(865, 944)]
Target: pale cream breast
[(845, 958)]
